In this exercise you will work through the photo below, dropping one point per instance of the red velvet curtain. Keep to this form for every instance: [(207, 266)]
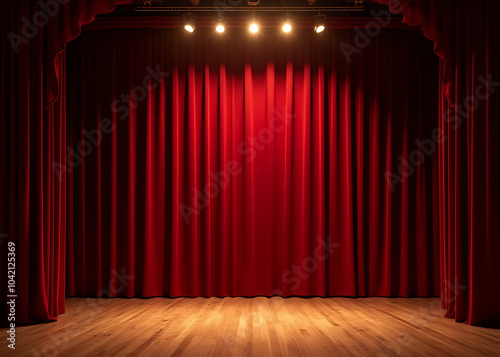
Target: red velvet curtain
[(257, 166), (469, 164), (32, 208), (466, 36), (32, 199)]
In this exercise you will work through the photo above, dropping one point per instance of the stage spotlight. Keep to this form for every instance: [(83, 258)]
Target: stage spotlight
[(319, 24), (254, 28), (220, 27), (287, 26), (189, 24)]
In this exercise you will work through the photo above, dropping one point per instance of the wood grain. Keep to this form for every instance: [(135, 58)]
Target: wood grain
[(254, 327)]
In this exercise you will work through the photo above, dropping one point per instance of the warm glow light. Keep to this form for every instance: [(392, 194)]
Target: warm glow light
[(189, 24), (254, 28), (287, 27), (320, 23), (319, 28), (220, 28)]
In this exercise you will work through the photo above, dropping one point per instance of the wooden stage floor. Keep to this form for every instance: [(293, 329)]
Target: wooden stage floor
[(254, 327)]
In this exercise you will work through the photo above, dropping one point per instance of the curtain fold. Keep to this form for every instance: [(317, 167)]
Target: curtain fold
[(241, 166)]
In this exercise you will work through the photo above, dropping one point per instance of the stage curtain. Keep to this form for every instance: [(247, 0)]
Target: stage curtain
[(466, 36), (251, 166), (468, 167), (32, 209), (32, 138)]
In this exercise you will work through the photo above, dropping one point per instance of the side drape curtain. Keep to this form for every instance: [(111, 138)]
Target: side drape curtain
[(32, 138), (233, 166), (465, 36), (32, 209), (469, 164)]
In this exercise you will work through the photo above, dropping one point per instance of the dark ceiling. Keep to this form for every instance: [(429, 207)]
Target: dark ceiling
[(341, 8)]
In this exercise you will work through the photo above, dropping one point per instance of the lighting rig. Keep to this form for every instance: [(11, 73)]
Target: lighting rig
[(229, 8)]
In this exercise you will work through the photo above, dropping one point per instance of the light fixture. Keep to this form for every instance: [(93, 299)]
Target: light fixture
[(254, 27), (320, 23), (189, 24), (220, 26), (287, 26)]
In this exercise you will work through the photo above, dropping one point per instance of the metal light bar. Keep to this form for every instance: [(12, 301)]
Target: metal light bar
[(249, 9)]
